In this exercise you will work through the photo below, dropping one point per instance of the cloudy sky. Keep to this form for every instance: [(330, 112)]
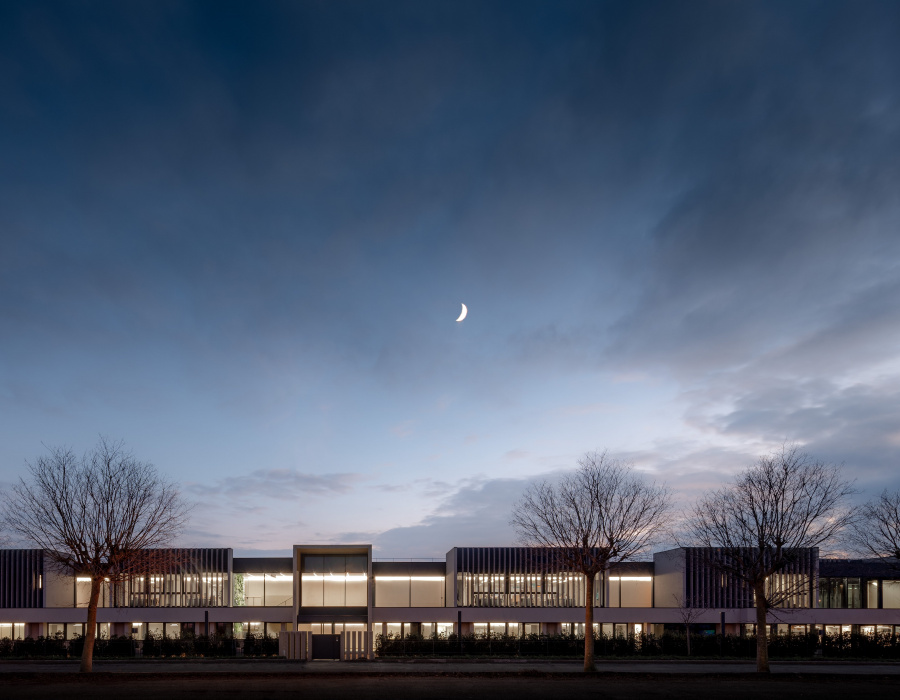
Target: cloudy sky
[(236, 235)]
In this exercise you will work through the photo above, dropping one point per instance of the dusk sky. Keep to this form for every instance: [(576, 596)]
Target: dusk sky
[(236, 235)]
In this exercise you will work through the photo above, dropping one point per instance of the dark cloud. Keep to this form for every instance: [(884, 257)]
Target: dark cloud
[(279, 484), (857, 426), (232, 223)]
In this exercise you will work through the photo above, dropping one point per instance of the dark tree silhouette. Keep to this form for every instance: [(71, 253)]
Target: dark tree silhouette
[(600, 514), (759, 526), (877, 531), (104, 515)]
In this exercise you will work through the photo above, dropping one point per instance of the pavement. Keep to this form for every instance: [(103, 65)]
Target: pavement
[(486, 668)]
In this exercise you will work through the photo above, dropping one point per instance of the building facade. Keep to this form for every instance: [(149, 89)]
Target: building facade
[(474, 591)]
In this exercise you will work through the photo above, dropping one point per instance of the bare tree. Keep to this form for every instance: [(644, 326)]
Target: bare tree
[(101, 516), (598, 515), (877, 531), (689, 615), (759, 528)]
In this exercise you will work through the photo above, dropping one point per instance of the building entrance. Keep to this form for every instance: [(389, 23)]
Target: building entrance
[(326, 646)]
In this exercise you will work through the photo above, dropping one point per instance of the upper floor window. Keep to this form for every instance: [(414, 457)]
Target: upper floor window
[(839, 593), (333, 580), (274, 590)]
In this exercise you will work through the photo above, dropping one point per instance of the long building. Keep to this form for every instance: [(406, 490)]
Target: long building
[(474, 590)]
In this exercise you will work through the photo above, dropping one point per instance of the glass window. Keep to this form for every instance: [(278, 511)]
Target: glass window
[(872, 594), (82, 591), (74, 630), (427, 591), (279, 590), (445, 629), (335, 589), (357, 564), (394, 629), (6, 630), (357, 589), (392, 591), (338, 585), (890, 594), (312, 592), (853, 593), (254, 589)]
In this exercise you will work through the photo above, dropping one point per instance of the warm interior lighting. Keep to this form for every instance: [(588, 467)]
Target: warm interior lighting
[(409, 578), (630, 578)]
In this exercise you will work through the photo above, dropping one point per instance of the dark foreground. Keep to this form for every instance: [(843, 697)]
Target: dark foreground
[(449, 686)]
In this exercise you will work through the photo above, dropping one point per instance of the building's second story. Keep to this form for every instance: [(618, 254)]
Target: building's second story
[(324, 579)]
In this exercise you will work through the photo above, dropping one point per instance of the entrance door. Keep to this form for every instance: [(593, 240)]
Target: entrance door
[(326, 646)]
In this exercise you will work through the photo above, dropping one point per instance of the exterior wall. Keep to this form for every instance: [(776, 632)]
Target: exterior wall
[(642, 601), (668, 578), (450, 597), (20, 578)]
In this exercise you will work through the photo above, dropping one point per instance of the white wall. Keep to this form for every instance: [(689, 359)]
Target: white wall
[(668, 577)]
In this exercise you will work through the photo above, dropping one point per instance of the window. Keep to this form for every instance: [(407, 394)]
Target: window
[(273, 590), (890, 594), (334, 581), (839, 593), (409, 591), (872, 594), (12, 630)]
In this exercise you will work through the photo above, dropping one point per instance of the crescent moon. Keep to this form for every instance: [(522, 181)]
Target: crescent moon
[(463, 314)]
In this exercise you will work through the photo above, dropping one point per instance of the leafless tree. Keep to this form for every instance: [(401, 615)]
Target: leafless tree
[(758, 528), (103, 515), (689, 615), (600, 514), (877, 531)]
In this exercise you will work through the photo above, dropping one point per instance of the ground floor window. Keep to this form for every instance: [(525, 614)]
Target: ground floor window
[(426, 630), (12, 630)]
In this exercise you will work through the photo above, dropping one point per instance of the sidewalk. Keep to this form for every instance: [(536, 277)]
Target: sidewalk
[(439, 667)]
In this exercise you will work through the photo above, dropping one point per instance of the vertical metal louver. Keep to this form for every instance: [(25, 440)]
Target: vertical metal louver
[(20, 578)]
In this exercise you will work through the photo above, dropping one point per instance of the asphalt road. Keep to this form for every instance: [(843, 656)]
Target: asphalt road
[(386, 686)]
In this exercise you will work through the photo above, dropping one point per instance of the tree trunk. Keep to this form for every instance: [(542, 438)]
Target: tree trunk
[(589, 623), (90, 632), (762, 630), (687, 637)]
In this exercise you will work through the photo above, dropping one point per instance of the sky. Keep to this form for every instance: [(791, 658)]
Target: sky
[(237, 236)]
